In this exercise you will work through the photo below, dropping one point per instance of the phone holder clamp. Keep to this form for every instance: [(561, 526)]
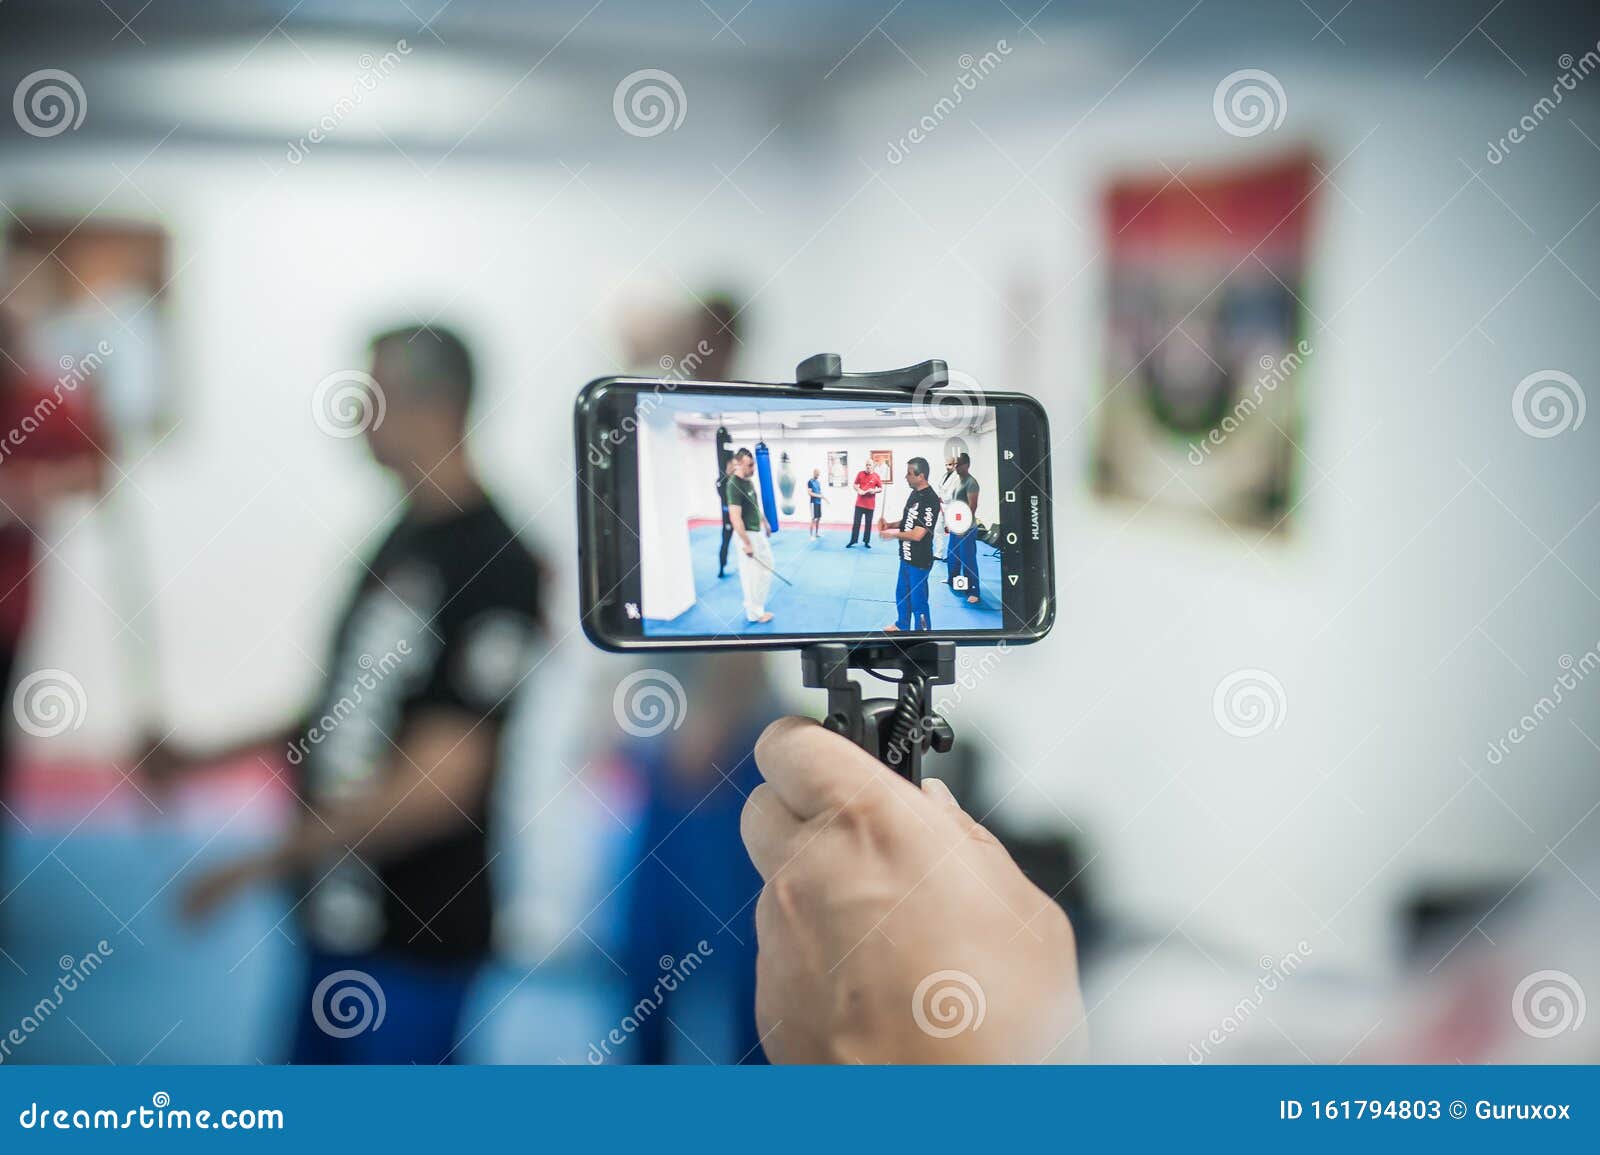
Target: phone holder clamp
[(826, 371), (896, 731)]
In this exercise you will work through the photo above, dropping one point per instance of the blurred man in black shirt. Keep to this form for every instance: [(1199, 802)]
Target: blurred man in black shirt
[(915, 534), (397, 762)]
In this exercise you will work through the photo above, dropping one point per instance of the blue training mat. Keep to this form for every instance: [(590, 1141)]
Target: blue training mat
[(769, 499)]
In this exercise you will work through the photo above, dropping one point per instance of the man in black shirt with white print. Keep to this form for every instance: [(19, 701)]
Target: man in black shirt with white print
[(915, 535), (396, 762)]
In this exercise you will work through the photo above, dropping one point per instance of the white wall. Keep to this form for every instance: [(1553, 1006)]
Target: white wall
[(666, 570), (808, 453), (1408, 613)]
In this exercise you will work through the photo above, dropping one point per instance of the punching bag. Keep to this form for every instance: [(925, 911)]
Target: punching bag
[(769, 500), (786, 485), (724, 456)]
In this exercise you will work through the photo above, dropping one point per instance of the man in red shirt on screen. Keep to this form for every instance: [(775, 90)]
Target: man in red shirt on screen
[(867, 485)]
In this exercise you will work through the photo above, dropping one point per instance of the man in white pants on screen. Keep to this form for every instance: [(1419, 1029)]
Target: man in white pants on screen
[(755, 552)]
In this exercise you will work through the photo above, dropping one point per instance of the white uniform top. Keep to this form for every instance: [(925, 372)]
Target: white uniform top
[(946, 490)]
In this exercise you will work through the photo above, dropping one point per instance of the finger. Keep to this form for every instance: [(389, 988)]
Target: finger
[(968, 825), (816, 771), (769, 829)]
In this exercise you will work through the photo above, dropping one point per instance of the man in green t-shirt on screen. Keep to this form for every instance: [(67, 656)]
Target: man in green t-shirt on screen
[(755, 560)]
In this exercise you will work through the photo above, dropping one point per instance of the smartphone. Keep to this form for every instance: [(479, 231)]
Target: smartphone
[(714, 515)]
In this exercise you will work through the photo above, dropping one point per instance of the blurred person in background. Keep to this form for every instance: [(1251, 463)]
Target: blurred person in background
[(715, 340), (691, 880), (693, 885), (50, 448), (397, 766)]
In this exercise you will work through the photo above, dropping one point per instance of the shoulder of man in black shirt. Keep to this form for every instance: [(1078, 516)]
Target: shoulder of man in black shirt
[(491, 613), (921, 512)]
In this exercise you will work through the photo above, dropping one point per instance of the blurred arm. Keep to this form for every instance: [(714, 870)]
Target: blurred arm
[(434, 782)]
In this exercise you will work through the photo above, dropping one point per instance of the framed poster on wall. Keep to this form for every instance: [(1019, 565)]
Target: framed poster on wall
[(1206, 342), (84, 286)]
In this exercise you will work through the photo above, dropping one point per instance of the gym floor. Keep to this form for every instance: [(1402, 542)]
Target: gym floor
[(100, 863), (834, 589)]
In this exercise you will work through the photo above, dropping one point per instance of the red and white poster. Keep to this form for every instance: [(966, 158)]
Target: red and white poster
[(1207, 349)]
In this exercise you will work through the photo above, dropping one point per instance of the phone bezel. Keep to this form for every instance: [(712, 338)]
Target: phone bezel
[(608, 486)]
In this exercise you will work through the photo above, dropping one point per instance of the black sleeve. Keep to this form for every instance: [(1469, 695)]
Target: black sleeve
[(488, 635)]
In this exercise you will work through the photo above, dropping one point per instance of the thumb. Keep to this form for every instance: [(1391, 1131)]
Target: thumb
[(970, 826)]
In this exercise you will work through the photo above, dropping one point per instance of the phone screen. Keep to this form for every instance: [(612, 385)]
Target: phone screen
[(743, 515)]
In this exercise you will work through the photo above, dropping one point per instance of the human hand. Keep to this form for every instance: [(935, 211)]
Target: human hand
[(893, 928), (749, 550)]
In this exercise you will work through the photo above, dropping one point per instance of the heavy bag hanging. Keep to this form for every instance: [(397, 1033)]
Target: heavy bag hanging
[(769, 499)]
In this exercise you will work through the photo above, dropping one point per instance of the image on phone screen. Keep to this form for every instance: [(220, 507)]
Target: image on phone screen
[(748, 515)]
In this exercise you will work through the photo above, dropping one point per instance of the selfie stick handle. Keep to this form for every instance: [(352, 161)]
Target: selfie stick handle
[(896, 731)]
